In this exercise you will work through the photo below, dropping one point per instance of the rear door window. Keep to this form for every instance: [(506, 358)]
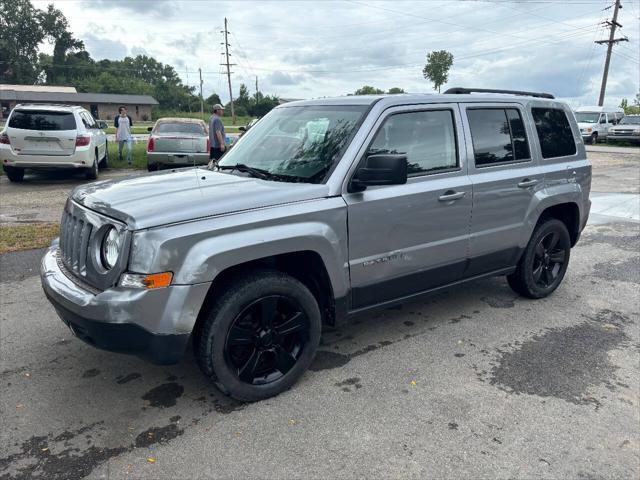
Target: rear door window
[(554, 132), (42, 120), (498, 136)]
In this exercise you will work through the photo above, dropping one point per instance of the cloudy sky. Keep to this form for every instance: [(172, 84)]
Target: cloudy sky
[(306, 49)]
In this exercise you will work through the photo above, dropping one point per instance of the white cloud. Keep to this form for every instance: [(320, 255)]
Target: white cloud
[(306, 49)]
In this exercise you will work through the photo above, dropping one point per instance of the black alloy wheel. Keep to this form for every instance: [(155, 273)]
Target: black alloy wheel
[(544, 262), (266, 339), (259, 334), (548, 260)]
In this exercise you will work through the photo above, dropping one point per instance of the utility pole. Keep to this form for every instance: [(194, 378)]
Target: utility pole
[(612, 24), (256, 89), (228, 65), (201, 97)]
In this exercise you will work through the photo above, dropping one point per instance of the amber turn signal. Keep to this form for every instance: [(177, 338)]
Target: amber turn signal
[(151, 281)]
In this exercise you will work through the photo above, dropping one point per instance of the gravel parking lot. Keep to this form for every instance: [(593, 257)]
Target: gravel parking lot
[(474, 382)]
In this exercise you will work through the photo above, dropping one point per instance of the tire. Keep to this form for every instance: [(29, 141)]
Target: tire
[(593, 139), (92, 172), (152, 167), (544, 262), (104, 163), (249, 357), (14, 174)]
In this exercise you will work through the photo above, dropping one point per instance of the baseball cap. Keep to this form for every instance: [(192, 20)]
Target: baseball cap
[(217, 106)]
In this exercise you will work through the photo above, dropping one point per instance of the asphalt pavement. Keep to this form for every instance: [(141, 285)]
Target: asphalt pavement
[(473, 382)]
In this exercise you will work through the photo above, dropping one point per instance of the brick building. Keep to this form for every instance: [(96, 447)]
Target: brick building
[(101, 105)]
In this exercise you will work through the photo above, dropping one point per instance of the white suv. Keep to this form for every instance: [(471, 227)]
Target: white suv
[(50, 137)]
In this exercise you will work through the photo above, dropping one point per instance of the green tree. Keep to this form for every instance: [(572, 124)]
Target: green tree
[(368, 90), (55, 27), (211, 100), (395, 90), (437, 68), (631, 109), (20, 35)]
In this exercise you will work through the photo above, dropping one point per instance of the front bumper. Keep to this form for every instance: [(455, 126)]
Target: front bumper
[(623, 138), (153, 324)]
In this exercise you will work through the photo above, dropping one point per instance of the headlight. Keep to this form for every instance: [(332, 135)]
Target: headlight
[(110, 250), (589, 130)]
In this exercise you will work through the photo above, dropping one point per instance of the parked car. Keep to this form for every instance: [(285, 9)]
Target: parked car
[(52, 137), (326, 209), (628, 130), (594, 122), (177, 142)]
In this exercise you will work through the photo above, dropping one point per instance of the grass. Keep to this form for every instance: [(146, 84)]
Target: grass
[(138, 155), (26, 237)]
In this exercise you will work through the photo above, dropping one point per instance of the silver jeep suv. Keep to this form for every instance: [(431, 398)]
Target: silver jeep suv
[(325, 209)]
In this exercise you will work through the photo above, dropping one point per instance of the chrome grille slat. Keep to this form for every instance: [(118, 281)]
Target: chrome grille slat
[(84, 247)]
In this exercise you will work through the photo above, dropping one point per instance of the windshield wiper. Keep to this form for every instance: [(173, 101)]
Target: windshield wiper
[(254, 172)]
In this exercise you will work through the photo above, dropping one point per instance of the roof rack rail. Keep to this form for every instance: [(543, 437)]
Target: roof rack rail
[(461, 90)]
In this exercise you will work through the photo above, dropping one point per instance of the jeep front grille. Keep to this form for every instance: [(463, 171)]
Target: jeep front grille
[(74, 242)]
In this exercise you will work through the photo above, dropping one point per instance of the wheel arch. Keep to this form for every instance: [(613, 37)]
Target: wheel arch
[(568, 213), (306, 266)]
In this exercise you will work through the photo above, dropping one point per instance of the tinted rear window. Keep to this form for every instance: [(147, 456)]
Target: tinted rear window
[(554, 132), (191, 128), (42, 120), (498, 136)]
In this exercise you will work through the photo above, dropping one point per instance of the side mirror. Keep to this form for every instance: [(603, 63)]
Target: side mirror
[(149, 129), (242, 129), (101, 124), (380, 169)]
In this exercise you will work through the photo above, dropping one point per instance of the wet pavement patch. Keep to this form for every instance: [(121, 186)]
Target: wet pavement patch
[(624, 271), (122, 379), (156, 435), (164, 395), (564, 363)]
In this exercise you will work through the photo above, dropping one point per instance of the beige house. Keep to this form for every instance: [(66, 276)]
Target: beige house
[(101, 105)]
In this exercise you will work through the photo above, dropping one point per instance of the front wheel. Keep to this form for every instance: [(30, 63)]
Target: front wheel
[(260, 336), (544, 262), (594, 138)]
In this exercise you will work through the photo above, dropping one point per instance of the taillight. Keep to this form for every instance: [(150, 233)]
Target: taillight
[(4, 138), (150, 145), (82, 140), (208, 145)]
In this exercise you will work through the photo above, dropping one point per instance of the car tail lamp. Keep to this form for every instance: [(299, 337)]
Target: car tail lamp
[(4, 139), (150, 145), (83, 140)]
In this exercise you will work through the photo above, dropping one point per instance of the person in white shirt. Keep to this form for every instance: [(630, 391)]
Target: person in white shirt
[(123, 124)]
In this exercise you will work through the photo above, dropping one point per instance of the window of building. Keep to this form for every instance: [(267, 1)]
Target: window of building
[(554, 132), (428, 138), (498, 136)]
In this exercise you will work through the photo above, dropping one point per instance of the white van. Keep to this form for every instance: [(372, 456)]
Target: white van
[(594, 122)]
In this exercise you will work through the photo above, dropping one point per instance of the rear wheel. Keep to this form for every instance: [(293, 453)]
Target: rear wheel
[(92, 171), (260, 336), (544, 261), (152, 166), (14, 174), (104, 163)]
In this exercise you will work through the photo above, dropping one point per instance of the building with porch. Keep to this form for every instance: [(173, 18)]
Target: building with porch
[(103, 106)]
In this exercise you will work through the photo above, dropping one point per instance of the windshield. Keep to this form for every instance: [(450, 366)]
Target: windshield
[(630, 121), (177, 127), (587, 117), (297, 143)]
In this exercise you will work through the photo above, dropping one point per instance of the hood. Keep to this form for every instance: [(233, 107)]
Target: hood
[(583, 125), (174, 196)]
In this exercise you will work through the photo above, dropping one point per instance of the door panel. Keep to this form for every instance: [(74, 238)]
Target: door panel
[(503, 192), (404, 239)]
